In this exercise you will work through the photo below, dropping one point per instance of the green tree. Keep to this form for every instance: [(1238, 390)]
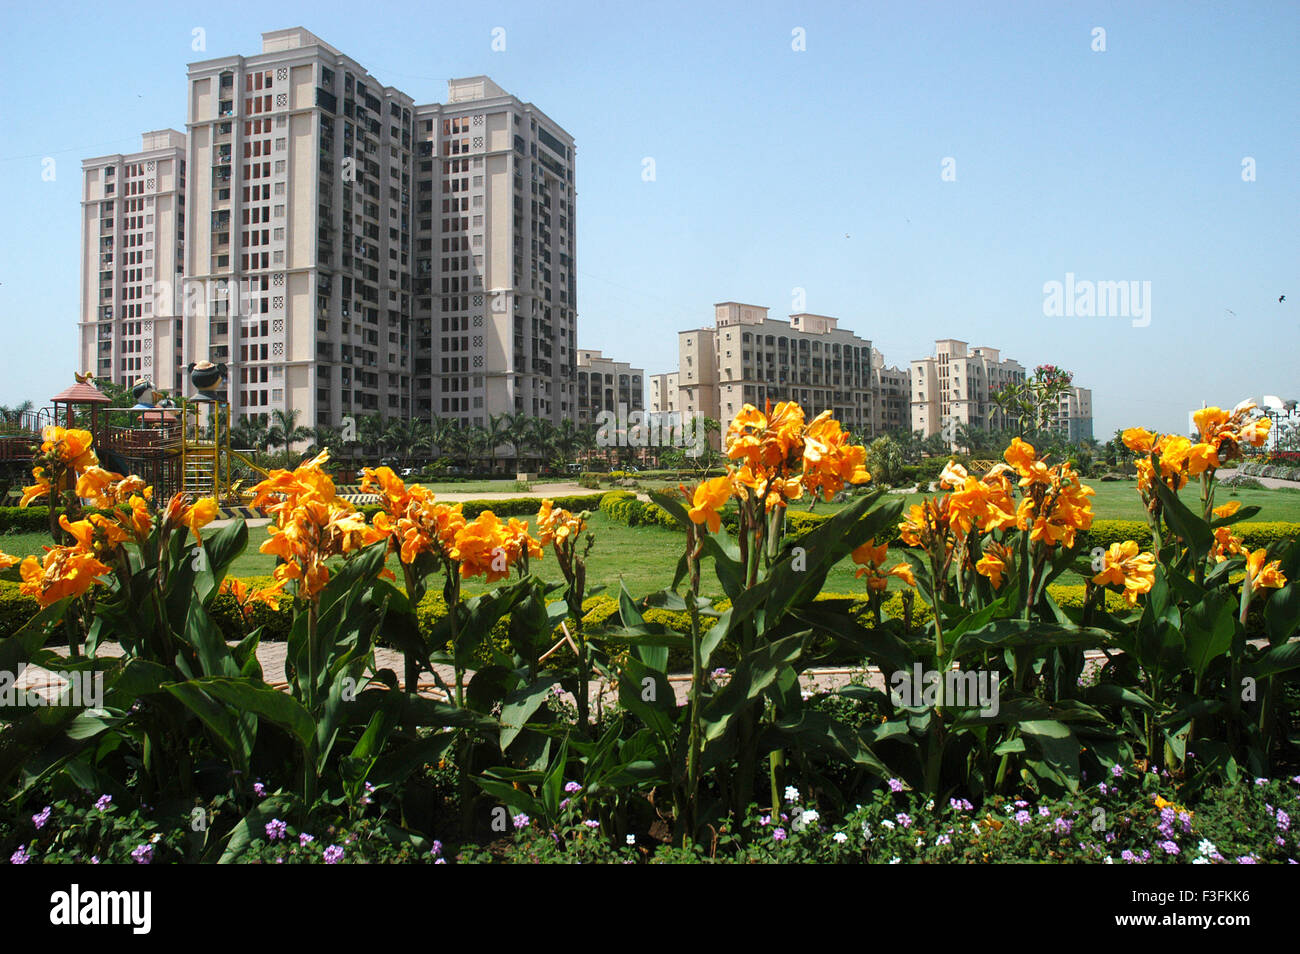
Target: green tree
[(285, 431)]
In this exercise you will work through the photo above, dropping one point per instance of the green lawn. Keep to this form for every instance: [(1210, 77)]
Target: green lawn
[(645, 557)]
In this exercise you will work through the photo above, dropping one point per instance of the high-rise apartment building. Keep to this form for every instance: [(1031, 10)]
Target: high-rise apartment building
[(346, 251), (749, 358), (954, 387), (299, 251), (132, 257), (495, 277), (604, 384)]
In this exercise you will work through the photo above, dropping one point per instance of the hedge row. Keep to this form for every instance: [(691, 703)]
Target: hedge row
[(36, 519), (622, 505)]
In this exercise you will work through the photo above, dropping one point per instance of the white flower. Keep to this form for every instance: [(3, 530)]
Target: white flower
[(840, 838), (1200, 861), (929, 806), (1108, 861), (1206, 847), (919, 843), (791, 794), (809, 816), (895, 860), (888, 824), (866, 831), (631, 839)]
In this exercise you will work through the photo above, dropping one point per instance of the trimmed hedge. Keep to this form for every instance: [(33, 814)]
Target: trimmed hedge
[(513, 506), (622, 505)]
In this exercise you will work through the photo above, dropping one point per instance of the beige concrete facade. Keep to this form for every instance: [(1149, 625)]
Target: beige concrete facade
[(749, 358), (132, 257), (954, 386), (604, 384), (346, 251), (298, 258), (495, 272), (1074, 415), (891, 396)]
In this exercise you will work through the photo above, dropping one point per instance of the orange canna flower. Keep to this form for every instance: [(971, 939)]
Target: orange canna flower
[(709, 498), (1264, 575), (37, 490), (202, 513), (1139, 440), (6, 561), (69, 445), (1123, 565), (871, 560), (65, 571), (1228, 509), (94, 534), (992, 565)]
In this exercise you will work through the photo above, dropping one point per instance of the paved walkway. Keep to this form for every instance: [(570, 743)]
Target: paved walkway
[(1272, 483), (271, 656)]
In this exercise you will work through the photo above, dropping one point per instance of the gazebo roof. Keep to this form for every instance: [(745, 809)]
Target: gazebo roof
[(81, 393)]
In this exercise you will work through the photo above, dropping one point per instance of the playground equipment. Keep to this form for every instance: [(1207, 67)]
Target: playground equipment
[(174, 448)]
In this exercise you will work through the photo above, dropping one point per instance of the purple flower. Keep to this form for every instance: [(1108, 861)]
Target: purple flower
[(143, 855), (103, 802), (44, 816), (436, 849), (1063, 825), (572, 787), (1022, 818), (304, 839), (765, 821), (1117, 770), (20, 857), (960, 805), (1128, 856), (521, 820), (895, 785), (1246, 860), (1283, 820), (778, 834), (719, 673), (564, 804), (1044, 811), (259, 789), (1169, 847), (1261, 781), (1102, 788), (592, 823), (943, 840), (275, 829), (333, 855), (904, 819), (1020, 803)]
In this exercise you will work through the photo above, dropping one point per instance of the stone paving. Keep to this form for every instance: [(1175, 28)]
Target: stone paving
[(271, 656)]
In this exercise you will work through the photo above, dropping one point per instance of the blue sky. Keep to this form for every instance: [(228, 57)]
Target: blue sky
[(778, 169)]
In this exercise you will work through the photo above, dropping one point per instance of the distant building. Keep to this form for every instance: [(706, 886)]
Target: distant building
[(604, 384), (891, 393), (955, 385), (749, 358), (1074, 415)]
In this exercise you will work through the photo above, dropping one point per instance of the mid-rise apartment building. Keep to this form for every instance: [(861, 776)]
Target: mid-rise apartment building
[(891, 391), (346, 251), (749, 358), (1074, 415), (663, 392), (954, 387), (133, 247), (604, 384)]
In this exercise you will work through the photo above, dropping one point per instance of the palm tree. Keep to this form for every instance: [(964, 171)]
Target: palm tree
[(541, 437), (249, 433), (567, 439), (370, 433), (498, 432), (285, 430), (519, 431)]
